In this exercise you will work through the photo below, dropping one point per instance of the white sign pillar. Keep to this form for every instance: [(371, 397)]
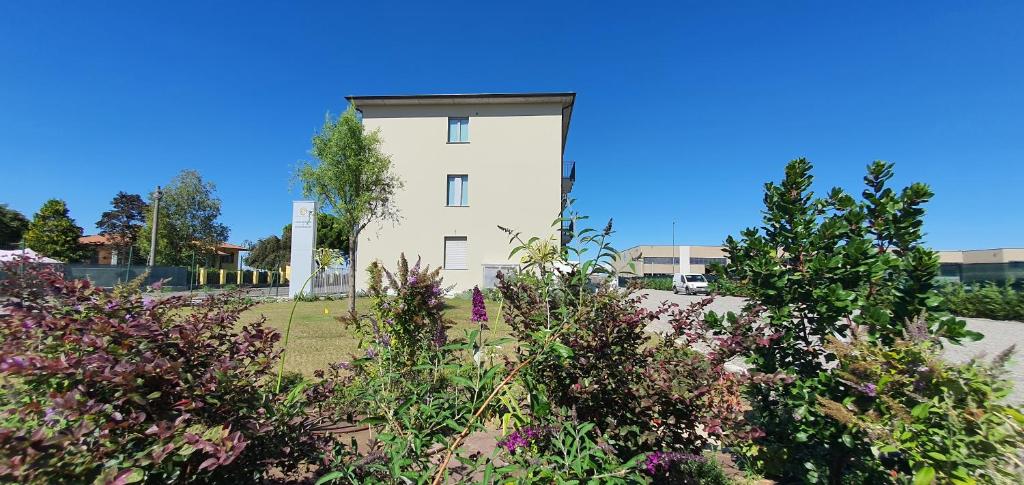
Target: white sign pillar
[(684, 259), (303, 244)]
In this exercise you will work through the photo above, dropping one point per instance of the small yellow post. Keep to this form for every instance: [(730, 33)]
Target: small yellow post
[(223, 277), (238, 277), (202, 276), (255, 278)]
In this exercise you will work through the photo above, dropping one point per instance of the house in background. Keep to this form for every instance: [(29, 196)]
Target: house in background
[(227, 255), (469, 162)]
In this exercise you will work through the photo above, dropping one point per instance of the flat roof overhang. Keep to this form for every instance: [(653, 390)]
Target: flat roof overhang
[(566, 99)]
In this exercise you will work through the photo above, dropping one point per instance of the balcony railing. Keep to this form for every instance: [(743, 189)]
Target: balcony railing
[(568, 175), (568, 231)]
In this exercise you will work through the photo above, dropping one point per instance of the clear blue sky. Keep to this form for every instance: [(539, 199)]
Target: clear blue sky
[(684, 109)]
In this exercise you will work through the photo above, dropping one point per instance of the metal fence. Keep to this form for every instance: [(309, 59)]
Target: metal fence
[(107, 276), (331, 281)]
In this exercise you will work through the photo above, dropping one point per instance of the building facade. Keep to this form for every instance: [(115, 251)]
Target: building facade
[(666, 260), (975, 265), (469, 163), (968, 266)]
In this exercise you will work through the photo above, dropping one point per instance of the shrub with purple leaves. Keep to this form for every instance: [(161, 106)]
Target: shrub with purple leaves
[(118, 388), (645, 393)]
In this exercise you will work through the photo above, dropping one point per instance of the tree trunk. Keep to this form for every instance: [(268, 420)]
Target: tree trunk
[(352, 251)]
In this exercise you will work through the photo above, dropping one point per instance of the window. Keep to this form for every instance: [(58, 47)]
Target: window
[(660, 260), (458, 190), (456, 252), (707, 261), (458, 130)]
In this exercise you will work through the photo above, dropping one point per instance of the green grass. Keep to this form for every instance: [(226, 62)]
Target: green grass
[(318, 339)]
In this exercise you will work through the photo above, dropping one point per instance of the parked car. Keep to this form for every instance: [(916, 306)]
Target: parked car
[(689, 284)]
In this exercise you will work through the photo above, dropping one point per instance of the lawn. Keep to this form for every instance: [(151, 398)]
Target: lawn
[(318, 339)]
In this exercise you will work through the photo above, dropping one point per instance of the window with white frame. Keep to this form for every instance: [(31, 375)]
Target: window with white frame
[(458, 190), (458, 130), (456, 252)]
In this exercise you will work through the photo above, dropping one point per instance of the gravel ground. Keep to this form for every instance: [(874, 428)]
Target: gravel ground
[(998, 335)]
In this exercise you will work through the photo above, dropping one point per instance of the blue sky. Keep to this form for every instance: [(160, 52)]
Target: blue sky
[(684, 109)]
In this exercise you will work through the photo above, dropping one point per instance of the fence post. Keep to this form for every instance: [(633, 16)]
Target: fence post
[(238, 276), (223, 277), (255, 278), (202, 276)]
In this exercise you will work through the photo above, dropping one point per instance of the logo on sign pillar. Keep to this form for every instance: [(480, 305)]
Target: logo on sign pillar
[(303, 218)]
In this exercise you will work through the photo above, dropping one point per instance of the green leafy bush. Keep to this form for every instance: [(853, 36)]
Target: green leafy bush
[(655, 282), (114, 387), (984, 300), (823, 267), (926, 419)]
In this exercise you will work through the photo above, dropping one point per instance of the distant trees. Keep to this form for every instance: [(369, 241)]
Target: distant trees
[(273, 252), (13, 225), (352, 178), (53, 233), (189, 209), (123, 223)]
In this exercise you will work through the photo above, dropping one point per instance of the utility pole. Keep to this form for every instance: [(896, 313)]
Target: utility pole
[(156, 224)]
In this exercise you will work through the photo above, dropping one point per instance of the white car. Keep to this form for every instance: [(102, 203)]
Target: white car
[(689, 284)]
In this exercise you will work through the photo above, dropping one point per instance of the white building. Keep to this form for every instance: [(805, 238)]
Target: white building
[(469, 162)]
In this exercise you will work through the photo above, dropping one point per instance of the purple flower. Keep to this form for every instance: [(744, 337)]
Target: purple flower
[(479, 310), (661, 461), (521, 438), (148, 303), (869, 390), (440, 338), (51, 416)]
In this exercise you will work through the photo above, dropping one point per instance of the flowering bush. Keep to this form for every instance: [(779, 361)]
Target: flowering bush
[(408, 309), (643, 393), (119, 388), (572, 451), (927, 419)]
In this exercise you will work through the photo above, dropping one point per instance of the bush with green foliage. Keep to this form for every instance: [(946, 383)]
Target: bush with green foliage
[(113, 387), (925, 419), (820, 268), (983, 300)]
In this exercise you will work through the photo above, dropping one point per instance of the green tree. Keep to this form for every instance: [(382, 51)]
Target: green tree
[(13, 225), (330, 233), (273, 252), (351, 177), (269, 253), (123, 223), (189, 209), (53, 233)]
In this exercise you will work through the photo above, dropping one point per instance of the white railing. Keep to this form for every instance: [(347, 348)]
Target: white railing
[(331, 281)]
